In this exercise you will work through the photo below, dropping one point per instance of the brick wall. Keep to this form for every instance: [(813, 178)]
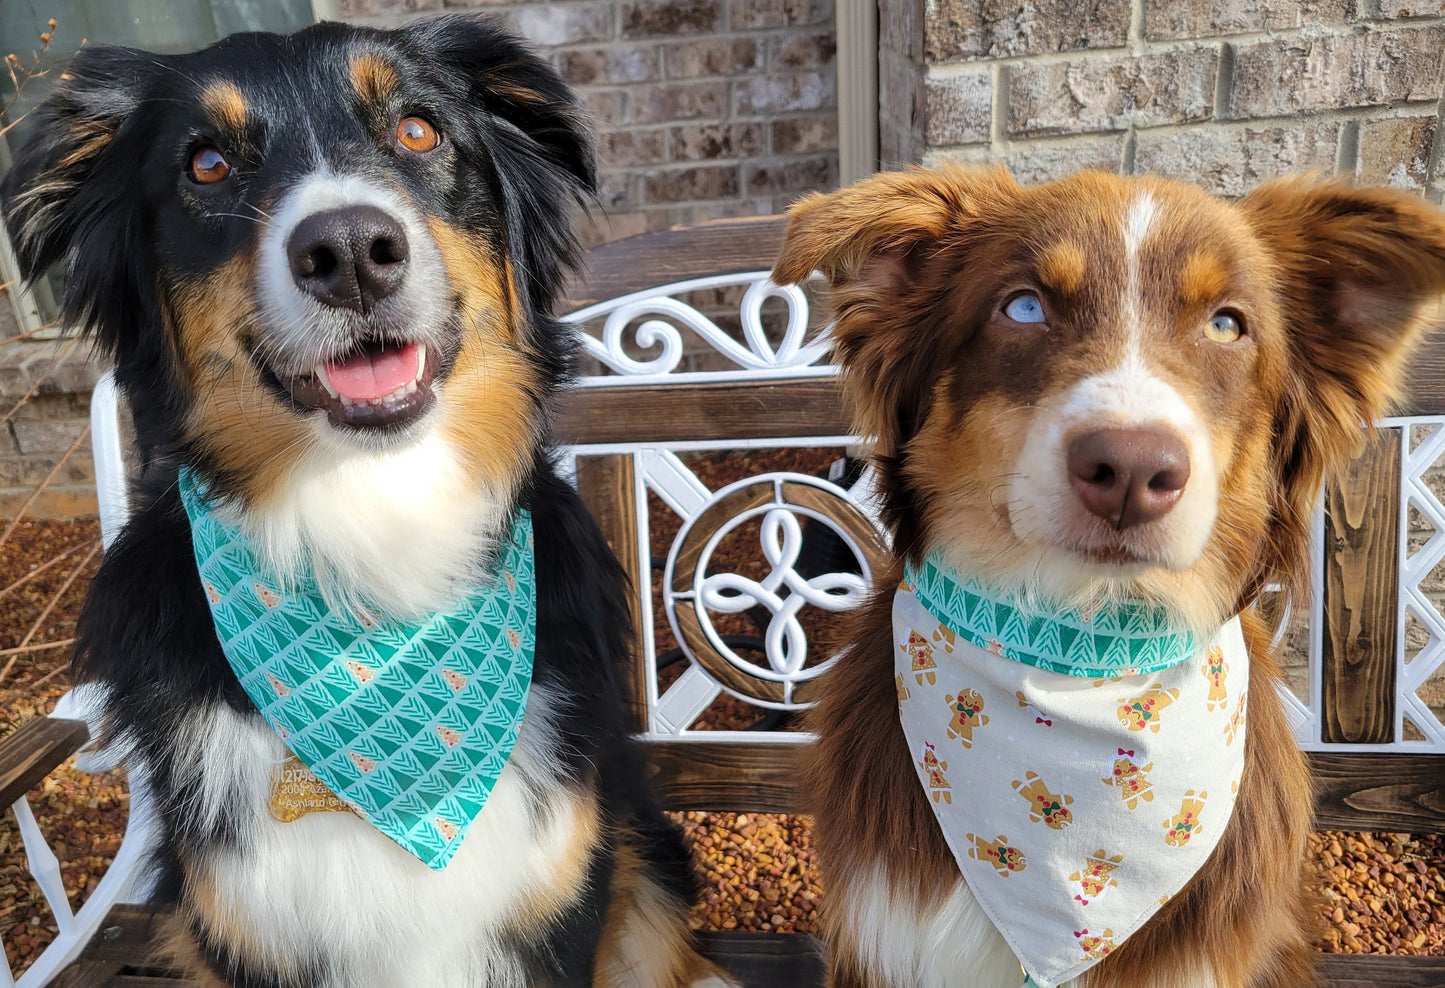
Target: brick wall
[(37, 435), (704, 108), (1223, 93)]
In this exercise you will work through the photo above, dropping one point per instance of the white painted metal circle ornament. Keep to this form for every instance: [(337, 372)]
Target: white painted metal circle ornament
[(691, 594)]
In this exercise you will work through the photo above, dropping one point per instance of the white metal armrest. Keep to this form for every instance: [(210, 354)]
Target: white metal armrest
[(126, 880)]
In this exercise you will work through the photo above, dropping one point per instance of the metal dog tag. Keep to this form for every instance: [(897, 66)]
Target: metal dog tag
[(298, 792)]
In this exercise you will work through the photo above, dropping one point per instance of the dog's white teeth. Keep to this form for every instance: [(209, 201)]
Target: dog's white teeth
[(411, 388), (320, 373), (420, 367)]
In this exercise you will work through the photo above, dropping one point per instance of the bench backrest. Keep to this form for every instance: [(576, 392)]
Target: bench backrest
[(1368, 702)]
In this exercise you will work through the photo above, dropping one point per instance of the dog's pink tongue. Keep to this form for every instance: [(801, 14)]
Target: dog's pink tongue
[(374, 372)]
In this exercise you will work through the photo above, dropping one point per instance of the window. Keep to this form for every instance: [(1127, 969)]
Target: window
[(158, 25)]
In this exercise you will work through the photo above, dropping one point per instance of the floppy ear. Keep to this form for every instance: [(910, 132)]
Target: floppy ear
[(872, 241), (68, 196), (536, 135), (1360, 272)]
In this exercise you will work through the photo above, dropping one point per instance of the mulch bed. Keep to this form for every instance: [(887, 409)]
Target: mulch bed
[(1382, 893)]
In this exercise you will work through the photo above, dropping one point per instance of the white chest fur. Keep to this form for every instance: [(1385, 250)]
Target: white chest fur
[(331, 887)]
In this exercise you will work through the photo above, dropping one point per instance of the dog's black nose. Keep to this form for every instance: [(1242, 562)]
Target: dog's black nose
[(351, 258), (1128, 476)]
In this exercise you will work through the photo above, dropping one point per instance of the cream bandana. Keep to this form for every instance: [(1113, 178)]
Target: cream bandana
[(1095, 757)]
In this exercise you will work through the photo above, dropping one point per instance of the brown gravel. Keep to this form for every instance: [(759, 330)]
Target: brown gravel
[(1382, 893), (758, 871)]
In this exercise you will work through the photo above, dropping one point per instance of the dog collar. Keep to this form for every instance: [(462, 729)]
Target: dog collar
[(1115, 638), (1090, 788), (409, 723)]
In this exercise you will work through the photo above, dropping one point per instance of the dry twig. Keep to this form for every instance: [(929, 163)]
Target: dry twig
[(21, 581)]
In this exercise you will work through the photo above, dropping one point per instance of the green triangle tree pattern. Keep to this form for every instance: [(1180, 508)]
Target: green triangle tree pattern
[(368, 704)]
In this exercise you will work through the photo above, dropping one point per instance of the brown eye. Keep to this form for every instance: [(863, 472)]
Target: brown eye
[(415, 134), (209, 166), (1224, 327)]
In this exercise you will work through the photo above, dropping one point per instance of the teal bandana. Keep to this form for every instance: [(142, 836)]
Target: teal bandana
[(1118, 638), (408, 723)]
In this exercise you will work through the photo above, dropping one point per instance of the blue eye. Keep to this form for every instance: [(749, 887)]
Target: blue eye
[(1025, 308)]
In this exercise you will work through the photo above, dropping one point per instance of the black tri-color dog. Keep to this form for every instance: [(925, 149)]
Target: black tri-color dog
[(323, 264)]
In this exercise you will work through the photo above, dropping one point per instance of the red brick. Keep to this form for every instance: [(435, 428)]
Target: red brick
[(1324, 72), (713, 56), (753, 14), (650, 18), (618, 189), (682, 184), (973, 29), (701, 142), (802, 174), (804, 51), (959, 109), (1211, 18), (676, 101), (785, 93), (607, 106), (1396, 152), (617, 64), (802, 135), (620, 148), (1112, 93)]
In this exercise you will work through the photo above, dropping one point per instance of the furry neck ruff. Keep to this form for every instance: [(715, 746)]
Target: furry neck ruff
[(409, 723), (1096, 756)]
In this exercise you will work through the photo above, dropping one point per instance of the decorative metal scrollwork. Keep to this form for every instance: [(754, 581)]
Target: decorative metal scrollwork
[(661, 315), (691, 594)]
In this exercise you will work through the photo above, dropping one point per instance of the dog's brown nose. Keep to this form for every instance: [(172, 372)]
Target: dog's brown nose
[(1128, 476), (350, 258)]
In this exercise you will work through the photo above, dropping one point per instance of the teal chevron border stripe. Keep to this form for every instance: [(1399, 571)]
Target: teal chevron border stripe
[(1119, 638)]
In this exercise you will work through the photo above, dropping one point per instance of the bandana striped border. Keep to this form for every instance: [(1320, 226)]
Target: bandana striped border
[(1119, 639)]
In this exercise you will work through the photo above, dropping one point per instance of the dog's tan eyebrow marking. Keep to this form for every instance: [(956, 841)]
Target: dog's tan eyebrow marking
[(225, 105), (373, 77), (1061, 267), (1203, 277)]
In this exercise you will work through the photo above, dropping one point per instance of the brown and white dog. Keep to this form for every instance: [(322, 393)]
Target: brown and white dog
[(1219, 359)]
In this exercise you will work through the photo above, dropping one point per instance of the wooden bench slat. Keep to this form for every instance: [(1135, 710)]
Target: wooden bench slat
[(648, 260), (726, 776), (783, 409), (1362, 592), (606, 484), (761, 960), (1365, 791), (766, 960), (33, 750), (1381, 970), (1354, 791)]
